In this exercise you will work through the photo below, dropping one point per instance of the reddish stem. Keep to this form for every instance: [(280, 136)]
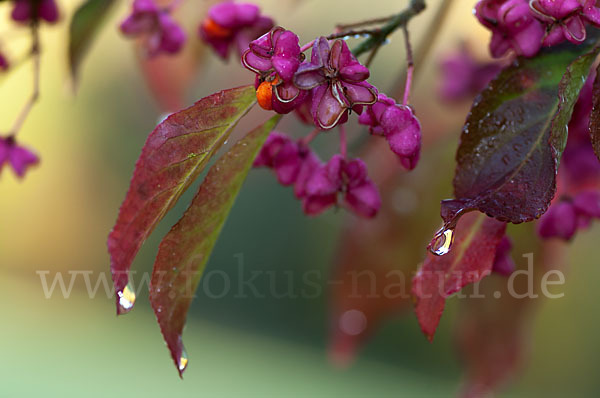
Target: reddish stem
[(310, 136), (35, 53), (410, 68), (174, 4), (343, 140), (307, 46)]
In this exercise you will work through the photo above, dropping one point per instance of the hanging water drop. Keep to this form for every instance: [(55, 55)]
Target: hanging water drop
[(183, 361), (442, 242), (126, 300)]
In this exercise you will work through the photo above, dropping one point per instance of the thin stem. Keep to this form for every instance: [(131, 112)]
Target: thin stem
[(409, 68), (378, 36), (425, 44), (343, 141), (174, 4), (14, 65), (307, 46), (311, 136), (433, 32), (35, 53), (372, 55)]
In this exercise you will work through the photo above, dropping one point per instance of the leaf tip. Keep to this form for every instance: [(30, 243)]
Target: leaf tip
[(181, 362)]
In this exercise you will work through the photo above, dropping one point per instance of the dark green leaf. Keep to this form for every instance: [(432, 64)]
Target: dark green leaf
[(183, 253), (85, 24), (515, 134)]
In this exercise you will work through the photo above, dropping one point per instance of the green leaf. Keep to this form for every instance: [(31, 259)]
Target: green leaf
[(595, 115), (173, 156), (515, 134), (85, 24), (183, 253)]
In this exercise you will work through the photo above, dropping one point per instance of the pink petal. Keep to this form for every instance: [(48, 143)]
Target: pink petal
[(327, 179), (364, 199), (560, 221), (246, 13), (256, 63), (310, 163), (320, 52), (48, 11), (359, 93), (327, 106), (224, 14), (309, 76), (588, 203), (21, 11), (173, 37), (529, 41), (354, 73), (574, 29), (499, 45), (21, 158)]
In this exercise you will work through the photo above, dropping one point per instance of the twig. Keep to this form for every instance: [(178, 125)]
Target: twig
[(174, 4), (426, 44), (378, 36), (307, 46), (310, 136), (35, 53), (372, 55), (375, 21), (343, 141), (410, 66), (433, 32)]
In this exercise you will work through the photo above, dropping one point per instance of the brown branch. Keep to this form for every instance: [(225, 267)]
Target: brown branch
[(378, 36), (35, 53), (375, 21)]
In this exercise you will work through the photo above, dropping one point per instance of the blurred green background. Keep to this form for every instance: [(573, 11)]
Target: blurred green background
[(57, 220)]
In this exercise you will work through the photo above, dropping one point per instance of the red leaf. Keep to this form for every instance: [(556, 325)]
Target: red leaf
[(376, 258), (471, 258), (183, 253), (493, 331), (173, 156), (170, 76)]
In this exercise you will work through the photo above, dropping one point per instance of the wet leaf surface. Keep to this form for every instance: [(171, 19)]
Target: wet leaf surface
[(173, 156), (471, 259), (183, 253), (514, 136)]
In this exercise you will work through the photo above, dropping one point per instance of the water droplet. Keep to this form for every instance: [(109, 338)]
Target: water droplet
[(442, 242), (183, 361), (126, 300), (162, 118), (353, 322)]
